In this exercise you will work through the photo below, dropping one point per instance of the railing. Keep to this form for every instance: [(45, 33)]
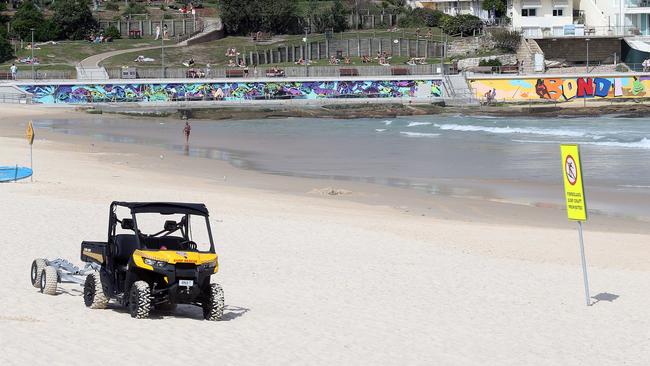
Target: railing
[(587, 31), (292, 71), (637, 3), (15, 98), (39, 75)]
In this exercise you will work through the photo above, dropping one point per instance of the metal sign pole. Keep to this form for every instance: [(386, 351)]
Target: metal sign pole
[(584, 264), (31, 161)]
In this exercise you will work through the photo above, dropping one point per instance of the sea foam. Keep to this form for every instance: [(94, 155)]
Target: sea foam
[(512, 130), (419, 134)]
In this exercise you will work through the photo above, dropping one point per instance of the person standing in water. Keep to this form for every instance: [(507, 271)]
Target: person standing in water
[(186, 132)]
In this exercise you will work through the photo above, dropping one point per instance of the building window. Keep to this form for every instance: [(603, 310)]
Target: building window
[(528, 12), (558, 12)]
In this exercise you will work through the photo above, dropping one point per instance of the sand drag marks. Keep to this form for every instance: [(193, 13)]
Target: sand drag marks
[(311, 281)]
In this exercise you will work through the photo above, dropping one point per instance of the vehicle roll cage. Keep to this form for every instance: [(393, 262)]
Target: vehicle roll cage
[(163, 208)]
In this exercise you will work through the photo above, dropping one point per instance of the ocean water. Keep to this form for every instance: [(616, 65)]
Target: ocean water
[(440, 154)]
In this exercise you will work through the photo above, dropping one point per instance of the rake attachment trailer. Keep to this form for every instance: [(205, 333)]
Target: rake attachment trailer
[(47, 274)]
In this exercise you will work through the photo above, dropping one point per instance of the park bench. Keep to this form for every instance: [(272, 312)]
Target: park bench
[(261, 37), (135, 33), (348, 72), (400, 71), (236, 73)]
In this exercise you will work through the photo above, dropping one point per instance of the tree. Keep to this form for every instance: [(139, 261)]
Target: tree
[(6, 51), (497, 6), (29, 17), (248, 16), (464, 24), (74, 19), (333, 17)]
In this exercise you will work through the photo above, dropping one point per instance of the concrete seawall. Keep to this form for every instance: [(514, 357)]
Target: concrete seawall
[(233, 90)]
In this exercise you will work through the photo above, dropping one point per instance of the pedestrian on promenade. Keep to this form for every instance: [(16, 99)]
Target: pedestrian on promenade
[(186, 132), (13, 70)]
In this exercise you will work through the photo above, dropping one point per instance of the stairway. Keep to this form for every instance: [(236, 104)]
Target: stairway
[(91, 73), (526, 53), (457, 91)]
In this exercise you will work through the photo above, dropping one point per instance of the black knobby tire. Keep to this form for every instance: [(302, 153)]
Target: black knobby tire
[(37, 268), (49, 280), (94, 296), (214, 303), (140, 300)]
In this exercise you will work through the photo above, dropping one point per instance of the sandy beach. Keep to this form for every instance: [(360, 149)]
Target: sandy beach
[(315, 279)]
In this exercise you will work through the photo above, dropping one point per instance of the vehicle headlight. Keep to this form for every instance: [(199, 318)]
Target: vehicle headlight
[(153, 262)]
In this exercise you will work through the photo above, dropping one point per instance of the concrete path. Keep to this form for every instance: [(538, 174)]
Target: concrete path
[(92, 62)]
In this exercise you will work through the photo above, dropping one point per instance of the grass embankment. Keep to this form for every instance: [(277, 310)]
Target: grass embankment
[(214, 53)]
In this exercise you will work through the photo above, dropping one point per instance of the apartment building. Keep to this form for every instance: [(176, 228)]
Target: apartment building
[(472, 7)]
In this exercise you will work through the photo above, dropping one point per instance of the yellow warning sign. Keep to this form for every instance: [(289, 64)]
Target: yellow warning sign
[(576, 203), (29, 133)]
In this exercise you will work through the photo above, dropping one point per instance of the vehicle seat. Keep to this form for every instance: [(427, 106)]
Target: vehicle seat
[(124, 246), (171, 242)]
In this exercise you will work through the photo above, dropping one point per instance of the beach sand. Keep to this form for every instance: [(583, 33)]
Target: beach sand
[(317, 280)]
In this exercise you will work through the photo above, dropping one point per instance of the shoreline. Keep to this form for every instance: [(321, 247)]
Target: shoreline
[(475, 207)]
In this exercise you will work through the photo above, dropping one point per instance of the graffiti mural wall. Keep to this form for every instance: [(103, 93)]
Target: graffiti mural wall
[(232, 91), (563, 89)]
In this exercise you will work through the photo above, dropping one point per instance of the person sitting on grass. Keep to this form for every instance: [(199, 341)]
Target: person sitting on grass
[(383, 62), (334, 61), (242, 62), (301, 61), (365, 59), (411, 62), (231, 63), (347, 60)]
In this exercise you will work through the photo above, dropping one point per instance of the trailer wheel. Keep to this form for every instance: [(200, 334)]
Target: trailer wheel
[(49, 280), (140, 300), (214, 304), (94, 296), (37, 267)]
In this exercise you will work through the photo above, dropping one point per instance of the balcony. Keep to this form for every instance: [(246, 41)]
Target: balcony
[(637, 3)]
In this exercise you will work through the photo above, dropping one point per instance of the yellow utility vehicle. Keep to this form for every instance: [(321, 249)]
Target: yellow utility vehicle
[(158, 254)]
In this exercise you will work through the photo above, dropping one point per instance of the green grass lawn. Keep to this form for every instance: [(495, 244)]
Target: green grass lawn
[(213, 53), (65, 55)]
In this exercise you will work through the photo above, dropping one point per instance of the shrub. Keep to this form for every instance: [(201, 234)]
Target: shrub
[(135, 8), (462, 24), (113, 32), (492, 62), (112, 7), (422, 17), (506, 40), (6, 51)]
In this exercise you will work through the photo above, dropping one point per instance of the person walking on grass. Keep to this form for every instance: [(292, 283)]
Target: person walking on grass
[(157, 32), (186, 132)]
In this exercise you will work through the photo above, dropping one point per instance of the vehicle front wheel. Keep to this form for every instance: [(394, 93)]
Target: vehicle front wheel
[(214, 303), (94, 296), (140, 300), (49, 280), (37, 268)]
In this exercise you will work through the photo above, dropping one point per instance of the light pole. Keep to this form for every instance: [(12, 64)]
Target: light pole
[(162, 49), (587, 41), (32, 46), (584, 103), (305, 52)]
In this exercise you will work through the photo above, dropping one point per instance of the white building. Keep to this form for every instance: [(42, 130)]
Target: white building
[(542, 18), (472, 7)]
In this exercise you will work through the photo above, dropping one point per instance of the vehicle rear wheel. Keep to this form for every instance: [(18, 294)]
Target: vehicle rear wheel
[(140, 300), (94, 296), (49, 280), (214, 304), (37, 267)]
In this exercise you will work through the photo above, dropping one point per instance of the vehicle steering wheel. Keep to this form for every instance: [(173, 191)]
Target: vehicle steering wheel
[(188, 244)]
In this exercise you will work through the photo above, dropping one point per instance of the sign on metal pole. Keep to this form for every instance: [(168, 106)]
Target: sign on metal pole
[(29, 133), (576, 202)]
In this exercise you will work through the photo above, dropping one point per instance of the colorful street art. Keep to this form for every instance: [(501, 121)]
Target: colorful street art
[(563, 89), (232, 91)]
